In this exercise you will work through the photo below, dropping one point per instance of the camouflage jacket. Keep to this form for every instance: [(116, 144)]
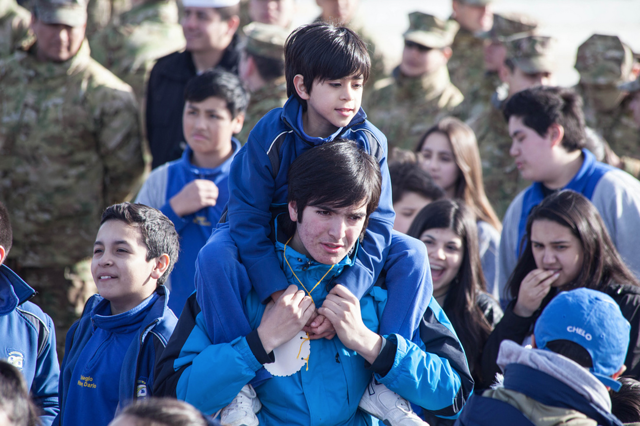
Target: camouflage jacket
[(405, 108), (273, 95), (69, 146), (480, 97), (101, 13), (619, 129), (502, 180), (131, 48), (14, 27), (466, 64)]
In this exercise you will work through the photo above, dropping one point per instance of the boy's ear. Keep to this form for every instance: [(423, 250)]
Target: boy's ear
[(555, 134), (293, 211), (298, 83), (238, 122), (162, 263), (3, 253)]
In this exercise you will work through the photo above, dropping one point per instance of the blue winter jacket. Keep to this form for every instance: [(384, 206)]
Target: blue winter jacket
[(259, 179), (209, 376), (195, 229), (29, 342), (153, 323)]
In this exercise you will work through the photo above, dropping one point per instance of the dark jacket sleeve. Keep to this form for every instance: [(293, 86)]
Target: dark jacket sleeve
[(511, 327), (628, 298)]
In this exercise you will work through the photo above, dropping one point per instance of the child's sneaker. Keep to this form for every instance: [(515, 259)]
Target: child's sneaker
[(242, 410), (388, 406)]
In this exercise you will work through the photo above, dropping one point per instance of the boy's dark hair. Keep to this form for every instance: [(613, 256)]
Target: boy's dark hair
[(158, 232), (269, 69), (15, 401), (337, 174), (164, 412), (540, 107), (571, 350), (625, 404), (410, 177), (228, 12), (219, 84), (6, 232), (321, 52)]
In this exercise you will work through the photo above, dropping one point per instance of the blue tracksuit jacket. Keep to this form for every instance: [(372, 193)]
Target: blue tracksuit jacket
[(29, 342), (109, 359), (190, 368), (195, 229)]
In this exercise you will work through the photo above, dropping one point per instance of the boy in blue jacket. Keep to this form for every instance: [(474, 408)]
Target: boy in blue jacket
[(110, 352), (325, 69), (194, 190), (28, 337)]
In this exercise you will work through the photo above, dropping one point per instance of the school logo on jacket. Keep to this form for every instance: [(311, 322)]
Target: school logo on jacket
[(16, 359), (141, 389)]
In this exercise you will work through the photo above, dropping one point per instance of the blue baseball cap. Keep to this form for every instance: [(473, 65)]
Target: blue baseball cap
[(594, 321)]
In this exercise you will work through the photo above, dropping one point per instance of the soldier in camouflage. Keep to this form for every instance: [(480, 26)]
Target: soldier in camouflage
[(495, 52), (14, 27), (419, 92), (272, 12), (633, 88), (261, 69), (604, 62), (147, 32), (69, 146), (345, 13), (528, 63), (466, 65)]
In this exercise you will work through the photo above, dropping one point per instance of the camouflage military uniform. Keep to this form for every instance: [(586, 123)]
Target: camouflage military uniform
[(131, 48), (69, 146), (466, 65), (101, 13), (271, 96), (604, 62), (405, 108), (14, 27), (479, 99)]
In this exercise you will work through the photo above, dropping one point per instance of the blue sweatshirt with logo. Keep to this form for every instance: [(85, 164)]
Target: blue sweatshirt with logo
[(28, 342), (109, 359), (163, 184)]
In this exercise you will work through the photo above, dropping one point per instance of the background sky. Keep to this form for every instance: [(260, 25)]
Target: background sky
[(570, 21)]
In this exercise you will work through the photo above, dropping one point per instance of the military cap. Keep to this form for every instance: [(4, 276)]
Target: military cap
[(507, 25), (210, 3), (630, 86), (265, 40), (531, 53), (476, 2), (604, 59), (67, 12), (429, 31)]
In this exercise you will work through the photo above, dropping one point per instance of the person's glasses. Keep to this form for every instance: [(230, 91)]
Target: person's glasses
[(413, 45)]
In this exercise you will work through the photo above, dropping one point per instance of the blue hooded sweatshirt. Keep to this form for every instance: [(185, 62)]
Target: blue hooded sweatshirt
[(163, 184), (109, 359), (29, 342)]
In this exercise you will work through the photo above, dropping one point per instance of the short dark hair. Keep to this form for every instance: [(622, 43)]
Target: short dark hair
[(219, 84), (228, 12), (321, 51), (571, 350), (15, 401), (164, 412), (269, 69), (410, 177), (6, 232), (542, 106), (625, 404), (158, 232), (338, 174)]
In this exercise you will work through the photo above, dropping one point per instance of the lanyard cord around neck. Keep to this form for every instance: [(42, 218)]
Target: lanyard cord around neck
[(294, 274)]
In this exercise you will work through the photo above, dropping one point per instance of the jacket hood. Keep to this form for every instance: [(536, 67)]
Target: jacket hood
[(291, 111), (561, 368), (13, 290)]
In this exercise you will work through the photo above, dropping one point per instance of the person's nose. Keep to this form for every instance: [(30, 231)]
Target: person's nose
[(337, 228)]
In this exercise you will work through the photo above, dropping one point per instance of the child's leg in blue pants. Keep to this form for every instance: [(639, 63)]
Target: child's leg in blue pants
[(222, 286)]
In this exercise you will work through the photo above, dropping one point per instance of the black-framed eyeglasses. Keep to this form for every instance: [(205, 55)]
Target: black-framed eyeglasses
[(413, 45)]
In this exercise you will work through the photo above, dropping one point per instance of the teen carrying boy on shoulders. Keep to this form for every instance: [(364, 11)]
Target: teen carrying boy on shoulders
[(110, 352)]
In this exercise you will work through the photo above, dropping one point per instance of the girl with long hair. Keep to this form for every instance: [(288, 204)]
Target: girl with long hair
[(448, 229), (449, 152), (567, 246)]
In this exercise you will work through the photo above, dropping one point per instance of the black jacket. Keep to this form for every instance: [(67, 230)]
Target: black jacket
[(516, 328), (165, 100)]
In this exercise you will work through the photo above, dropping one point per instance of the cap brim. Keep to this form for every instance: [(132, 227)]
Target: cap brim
[(630, 86), (71, 16), (534, 65), (426, 39), (608, 381)]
